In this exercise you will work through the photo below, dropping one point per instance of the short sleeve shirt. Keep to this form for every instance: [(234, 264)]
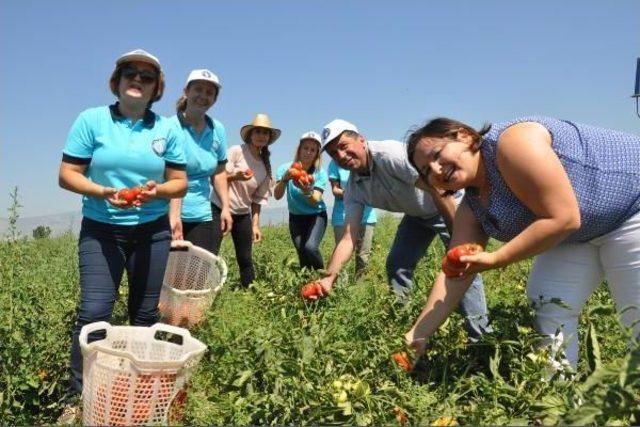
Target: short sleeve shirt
[(336, 173), (243, 193), (121, 153), (204, 152), (390, 184), (296, 200)]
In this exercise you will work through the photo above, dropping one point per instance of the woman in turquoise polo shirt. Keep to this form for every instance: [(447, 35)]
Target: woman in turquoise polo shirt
[(205, 146), (109, 148), (307, 210), (338, 177)]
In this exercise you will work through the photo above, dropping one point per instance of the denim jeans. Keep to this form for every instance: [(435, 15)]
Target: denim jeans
[(105, 251), (307, 232), (412, 240)]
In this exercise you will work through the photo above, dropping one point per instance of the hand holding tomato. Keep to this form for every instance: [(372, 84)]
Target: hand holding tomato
[(148, 191), (468, 259), (313, 291)]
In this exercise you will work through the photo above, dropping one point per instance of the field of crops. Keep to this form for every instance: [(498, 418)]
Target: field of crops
[(273, 359)]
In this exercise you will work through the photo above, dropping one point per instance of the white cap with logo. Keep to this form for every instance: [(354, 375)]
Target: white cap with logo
[(139, 55), (205, 75), (311, 135), (334, 128)]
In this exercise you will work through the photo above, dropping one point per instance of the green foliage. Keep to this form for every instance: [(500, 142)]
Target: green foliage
[(41, 232), (273, 359)]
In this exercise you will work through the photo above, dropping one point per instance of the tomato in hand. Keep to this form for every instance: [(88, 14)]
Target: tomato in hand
[(312, 291), (402, 359), (454, 254), (296, 165)]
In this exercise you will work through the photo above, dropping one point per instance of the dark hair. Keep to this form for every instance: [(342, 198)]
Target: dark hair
[(114, 82), (181, 103), (443, 128), (265, 154)]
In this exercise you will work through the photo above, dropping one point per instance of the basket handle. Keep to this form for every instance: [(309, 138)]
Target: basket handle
[(92, 327), (180, 245), (163, 327)]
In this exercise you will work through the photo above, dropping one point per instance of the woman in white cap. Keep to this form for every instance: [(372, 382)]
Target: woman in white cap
[(110, 150), (249, 176), (205, 144), (307, 210)]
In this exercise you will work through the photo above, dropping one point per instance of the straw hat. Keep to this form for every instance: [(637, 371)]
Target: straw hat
[(259, 121)]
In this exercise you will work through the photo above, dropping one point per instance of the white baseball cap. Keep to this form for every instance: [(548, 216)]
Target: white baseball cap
[(139, 55), (311, 135), (333, 129), (205, 75)]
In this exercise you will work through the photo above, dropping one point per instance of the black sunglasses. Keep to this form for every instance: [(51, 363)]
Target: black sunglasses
[(146, 76)]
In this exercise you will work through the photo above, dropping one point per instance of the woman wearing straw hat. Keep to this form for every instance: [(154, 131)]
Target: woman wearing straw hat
[(205, 145), (249, 176), (307, 210), (110, 150)]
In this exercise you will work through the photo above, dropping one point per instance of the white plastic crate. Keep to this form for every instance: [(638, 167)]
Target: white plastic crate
[(191, 281), (133, 376)]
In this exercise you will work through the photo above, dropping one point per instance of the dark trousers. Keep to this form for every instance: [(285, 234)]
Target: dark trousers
[(307, 232), (202, 234), (105, 251), (242, 235)]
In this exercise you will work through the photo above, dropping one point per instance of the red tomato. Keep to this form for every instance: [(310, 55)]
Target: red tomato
[(248, 173), (402, 359), (454, 254), (312, 291), (297, 165), (447, 269), (294, 173)]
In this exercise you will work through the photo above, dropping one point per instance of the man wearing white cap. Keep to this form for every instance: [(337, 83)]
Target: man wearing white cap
[(382, 177)]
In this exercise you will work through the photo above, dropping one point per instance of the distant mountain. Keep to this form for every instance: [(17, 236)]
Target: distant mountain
[(70, 221)]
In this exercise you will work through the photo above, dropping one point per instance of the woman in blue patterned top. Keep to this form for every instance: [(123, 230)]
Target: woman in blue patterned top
[(193, 218), (307, 210), (564, 192), (109, 148)]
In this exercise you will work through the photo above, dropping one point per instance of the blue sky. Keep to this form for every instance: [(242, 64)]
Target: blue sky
[(385, 66)]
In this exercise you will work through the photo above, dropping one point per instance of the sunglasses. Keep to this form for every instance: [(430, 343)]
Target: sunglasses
[(146, 76)]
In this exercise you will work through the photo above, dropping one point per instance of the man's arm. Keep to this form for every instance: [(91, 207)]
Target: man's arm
[(344, 248)]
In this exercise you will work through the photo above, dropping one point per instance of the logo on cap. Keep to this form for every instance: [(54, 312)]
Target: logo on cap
[(325, 133), (205, 73)]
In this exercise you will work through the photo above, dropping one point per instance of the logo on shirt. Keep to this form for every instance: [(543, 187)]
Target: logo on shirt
[(159, 146)]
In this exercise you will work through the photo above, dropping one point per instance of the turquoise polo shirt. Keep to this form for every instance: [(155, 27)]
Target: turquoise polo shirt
[(120, 153), (296, 200), (336, 173), (204, 153)]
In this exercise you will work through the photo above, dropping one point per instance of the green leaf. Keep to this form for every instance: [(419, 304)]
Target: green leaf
[(242, 378), (593, 349)]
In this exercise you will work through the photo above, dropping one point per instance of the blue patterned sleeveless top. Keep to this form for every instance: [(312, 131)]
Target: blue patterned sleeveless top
[(603, 166)]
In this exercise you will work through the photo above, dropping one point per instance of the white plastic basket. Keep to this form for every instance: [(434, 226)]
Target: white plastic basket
[(132, 376), (191, 281)]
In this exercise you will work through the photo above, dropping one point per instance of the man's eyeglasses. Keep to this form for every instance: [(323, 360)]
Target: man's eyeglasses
[(146, 76)]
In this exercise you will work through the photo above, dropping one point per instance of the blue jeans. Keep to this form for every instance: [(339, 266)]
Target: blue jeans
[(105, 251), (412, 239), (307, 232)]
